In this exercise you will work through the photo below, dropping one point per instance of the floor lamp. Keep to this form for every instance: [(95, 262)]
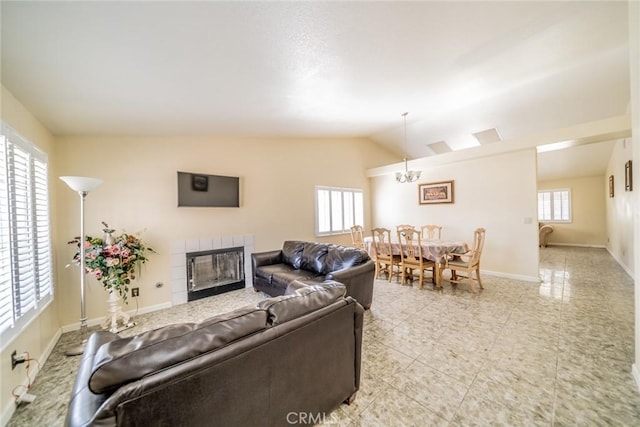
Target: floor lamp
[(82, 185)]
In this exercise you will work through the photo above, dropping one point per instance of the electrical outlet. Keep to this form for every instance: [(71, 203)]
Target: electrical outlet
[(17, 359), (135, 292)]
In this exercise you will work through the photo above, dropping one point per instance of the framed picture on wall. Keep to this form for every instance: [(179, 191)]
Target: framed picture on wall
[(435, 192), (628, 176), (610, 185)]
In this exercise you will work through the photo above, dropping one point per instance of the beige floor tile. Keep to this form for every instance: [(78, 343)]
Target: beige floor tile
[(383, 361), (501, 397), (435, 390), (554, 353), (392, 408)]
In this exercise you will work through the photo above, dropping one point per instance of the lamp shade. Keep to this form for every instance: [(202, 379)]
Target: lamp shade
[(81, 183)]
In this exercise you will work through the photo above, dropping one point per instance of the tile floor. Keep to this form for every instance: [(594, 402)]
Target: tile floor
[(520, 354)]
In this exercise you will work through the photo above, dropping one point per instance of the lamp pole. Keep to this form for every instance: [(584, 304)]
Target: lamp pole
[(82, 185)]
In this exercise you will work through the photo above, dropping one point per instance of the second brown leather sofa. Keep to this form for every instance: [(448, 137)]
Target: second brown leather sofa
[(312, 263), (289, 356)]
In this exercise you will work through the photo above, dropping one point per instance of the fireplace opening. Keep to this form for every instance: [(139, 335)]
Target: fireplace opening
[(214, 272)]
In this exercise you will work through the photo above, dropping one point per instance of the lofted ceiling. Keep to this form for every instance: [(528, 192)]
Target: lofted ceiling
[(318, 69), (576, 161)]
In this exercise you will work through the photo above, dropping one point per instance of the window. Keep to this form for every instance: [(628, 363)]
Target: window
[(25, 247), (337, 210), (554, 205)]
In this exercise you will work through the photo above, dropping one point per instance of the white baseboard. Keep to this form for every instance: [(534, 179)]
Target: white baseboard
[(636, 375), (7, 412), (620, 263), (99, 320), (510, 276), (578, 245)]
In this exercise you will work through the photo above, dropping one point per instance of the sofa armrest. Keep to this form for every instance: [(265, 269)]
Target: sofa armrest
[(346, 274), (266, 258), (358, 280), (84, 403)]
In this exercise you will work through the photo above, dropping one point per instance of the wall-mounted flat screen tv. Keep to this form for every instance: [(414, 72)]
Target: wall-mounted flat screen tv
[(197, 189)]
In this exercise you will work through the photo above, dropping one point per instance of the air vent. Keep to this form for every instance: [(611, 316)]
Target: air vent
[(439, 147), (488, 136)]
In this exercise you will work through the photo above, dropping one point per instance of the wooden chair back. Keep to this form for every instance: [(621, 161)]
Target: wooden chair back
[(385, 260), (382, 243), (357, 237), (478, 245), (411, 256), (403, 226), (468, 263), (431, 232), (410, 245)]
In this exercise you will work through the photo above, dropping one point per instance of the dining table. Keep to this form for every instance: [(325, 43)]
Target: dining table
[(434, 250)]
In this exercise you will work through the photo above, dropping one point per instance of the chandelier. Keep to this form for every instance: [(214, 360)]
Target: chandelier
[(407, 175)]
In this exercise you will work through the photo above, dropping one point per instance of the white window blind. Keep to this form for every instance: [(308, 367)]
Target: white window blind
[(338, 209), (25, 242), (554, 205), (6, 294)]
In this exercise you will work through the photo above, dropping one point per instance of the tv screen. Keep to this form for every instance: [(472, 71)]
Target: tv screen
[(197, 189)]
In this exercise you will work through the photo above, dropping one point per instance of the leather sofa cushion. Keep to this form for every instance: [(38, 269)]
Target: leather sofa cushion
[(268, 271), (292, 253), (129, 359), (313, 256), (282, 279), (339, 257), (304, 300), (280, 275)]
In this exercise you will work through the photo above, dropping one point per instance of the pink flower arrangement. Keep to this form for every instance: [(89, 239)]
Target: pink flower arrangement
[(114, 262)]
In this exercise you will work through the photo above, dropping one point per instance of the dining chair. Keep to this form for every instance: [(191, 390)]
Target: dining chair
[(411, 256), (468, 262), (401, 226), (357, 238), (431, 232), (385, 260)]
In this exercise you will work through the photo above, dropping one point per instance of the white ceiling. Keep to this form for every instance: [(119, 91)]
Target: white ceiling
[(580, 161), (295, 69)]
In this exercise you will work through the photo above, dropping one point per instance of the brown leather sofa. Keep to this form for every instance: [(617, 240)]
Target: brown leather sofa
[(255, 366), (312, 263)]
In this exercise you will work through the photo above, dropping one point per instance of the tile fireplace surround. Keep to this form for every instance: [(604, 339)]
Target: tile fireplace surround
[(179, 249)]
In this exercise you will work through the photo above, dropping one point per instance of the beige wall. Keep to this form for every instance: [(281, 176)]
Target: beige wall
[(277, 178), (619, 216), (486, 195), (588, 226), (634, 73), (40, 334)]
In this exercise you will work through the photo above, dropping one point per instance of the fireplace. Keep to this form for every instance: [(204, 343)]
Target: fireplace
[(181, 247), (213, 272)]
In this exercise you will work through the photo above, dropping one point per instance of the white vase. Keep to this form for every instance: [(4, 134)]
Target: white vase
[(117, 320)]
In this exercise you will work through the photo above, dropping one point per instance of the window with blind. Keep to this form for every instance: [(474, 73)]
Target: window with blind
[(337, 210), (554, 205), (25, 244)]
